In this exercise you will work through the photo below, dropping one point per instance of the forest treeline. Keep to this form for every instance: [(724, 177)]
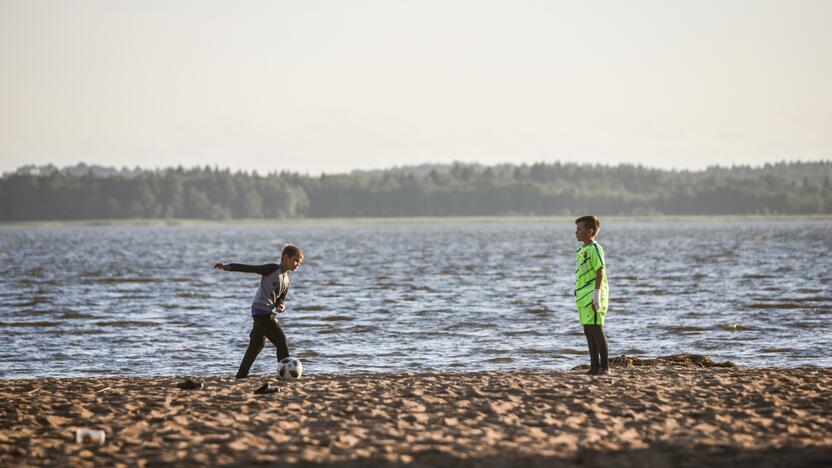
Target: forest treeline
[(458, 189)]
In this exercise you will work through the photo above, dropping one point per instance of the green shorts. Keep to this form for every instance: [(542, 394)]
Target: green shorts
[(588, 316)]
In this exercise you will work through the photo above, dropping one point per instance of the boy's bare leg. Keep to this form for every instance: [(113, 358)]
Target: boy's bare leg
[(593, 349), (601, 343), (255, 344), (595, 333)]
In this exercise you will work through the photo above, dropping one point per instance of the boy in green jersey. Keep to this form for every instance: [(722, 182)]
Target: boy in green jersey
[(591, 292)]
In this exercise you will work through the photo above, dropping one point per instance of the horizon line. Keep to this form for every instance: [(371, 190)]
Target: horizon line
[(217, 168)]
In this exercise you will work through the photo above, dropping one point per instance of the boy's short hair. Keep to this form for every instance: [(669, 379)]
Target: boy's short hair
[(589, 222), (292, 251)]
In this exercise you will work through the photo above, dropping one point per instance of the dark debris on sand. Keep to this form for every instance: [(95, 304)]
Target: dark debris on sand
[(678, 360)]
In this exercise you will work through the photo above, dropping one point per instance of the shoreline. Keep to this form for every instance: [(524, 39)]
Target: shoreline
[(622, 361), (659, 415), (409, 219)]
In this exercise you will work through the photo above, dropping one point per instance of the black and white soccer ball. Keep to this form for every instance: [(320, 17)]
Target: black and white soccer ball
[(289, 368)]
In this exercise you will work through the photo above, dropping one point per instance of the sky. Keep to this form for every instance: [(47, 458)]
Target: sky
[(331, 86)]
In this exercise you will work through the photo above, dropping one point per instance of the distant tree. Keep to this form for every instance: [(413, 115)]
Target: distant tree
[(88, 192)]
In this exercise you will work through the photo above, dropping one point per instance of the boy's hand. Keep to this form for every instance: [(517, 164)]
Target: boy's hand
[(281, 308), (221, 266), (596, 300)]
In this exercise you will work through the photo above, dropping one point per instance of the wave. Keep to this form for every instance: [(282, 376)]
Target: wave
[(484, 325), (74, 315), (816, 299), (30, 324), (534, 332), (758, 276), (126, 323), (120, 280), (775, 305), (685, 329), (500, 360), (35, 301), (361, 329), (336, 318), (534, 351)]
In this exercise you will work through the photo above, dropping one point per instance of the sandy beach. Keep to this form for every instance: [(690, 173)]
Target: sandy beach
[(659, 415)]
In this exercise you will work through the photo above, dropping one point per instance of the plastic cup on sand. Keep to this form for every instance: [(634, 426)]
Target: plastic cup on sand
[(89, 436)]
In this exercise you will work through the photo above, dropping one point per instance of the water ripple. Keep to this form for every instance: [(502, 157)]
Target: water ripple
[(408, 296)]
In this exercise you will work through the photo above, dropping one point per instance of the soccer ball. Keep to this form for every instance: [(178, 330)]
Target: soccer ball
[(289, 368)]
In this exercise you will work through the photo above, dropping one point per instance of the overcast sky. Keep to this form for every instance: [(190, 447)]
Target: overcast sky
[(315, 86)]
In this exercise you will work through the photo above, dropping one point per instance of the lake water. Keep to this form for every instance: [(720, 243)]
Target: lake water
[(379, 296)]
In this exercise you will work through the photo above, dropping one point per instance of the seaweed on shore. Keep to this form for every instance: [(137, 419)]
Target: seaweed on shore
[(676, 360)]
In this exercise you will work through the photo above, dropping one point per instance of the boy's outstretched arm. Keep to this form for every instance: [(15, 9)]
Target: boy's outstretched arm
[(266, 269)]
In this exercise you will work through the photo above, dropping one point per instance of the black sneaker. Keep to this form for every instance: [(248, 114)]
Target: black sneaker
[(190, 384), (266, 388), (241, 376)]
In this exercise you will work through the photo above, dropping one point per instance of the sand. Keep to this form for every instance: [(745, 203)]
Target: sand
[(641, 416)]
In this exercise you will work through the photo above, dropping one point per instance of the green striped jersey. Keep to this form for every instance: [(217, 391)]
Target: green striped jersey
[(588, 260)]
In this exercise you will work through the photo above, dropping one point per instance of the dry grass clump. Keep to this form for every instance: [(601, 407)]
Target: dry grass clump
[(682, 360)]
